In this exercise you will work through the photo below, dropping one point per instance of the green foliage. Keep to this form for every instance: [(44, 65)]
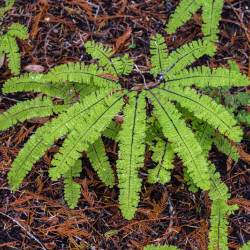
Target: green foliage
[(211, 14), (8, 44), (246, 246), (163, 155), (99, 160), (96, 96), (8, 6), (159, 247), (71, 188)]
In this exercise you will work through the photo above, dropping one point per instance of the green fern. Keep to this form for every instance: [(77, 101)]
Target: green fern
[(95, 96), (8, 6), (71, 188), (8, 42), (211, 14)]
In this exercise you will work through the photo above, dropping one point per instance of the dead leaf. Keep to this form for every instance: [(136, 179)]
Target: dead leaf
[(34, 68), (123, 38), (40, 120)]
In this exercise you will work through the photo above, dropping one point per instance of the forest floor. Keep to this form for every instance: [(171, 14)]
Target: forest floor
[(37, 216)]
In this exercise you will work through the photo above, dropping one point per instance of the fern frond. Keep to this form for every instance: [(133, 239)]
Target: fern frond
[(159, 50), (226, 147), (211, 16), (203, 134), (99, 161), (192, 187), (45, 136), (97, 51), (182, 14), (164, 155), (159, 247), (71, 188), (8, 6), (246, 246), (205, 109), (204, 77), (132, 150), (39, 107), (188, 54), (9, 46), (18, 30), (81, 73), (123, 65), (112, 130), (182, 139), (37, 83), (219, 195), (92, 123)]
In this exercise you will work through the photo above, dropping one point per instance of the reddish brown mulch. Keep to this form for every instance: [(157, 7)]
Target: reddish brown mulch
[(36, 216)]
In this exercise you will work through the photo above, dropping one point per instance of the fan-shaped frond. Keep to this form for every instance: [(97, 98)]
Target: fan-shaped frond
[(182, 139), (182, 14), (205, 109), (188, 54), (39, 107), (204, 77), (163, 155), (159, 51), (211, 15), (99, 161), (132, 150), (71, 188), (92, 123), (18, 30)]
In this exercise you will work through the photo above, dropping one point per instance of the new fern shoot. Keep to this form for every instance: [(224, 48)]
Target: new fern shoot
[(87, 115)]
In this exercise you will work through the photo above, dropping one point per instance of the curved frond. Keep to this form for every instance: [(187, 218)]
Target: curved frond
[(97, 51), (72, 189), (211, 15), (182, 14), (99, 161), (92, 123), (8, 6), (246, 246), (81, 73), (45, 136), (205, 109), (164, 156), (37, 83), (204, 77), (132, 150), (18, 30), (188, 54), (182, 139), (39, 107), (159, 50)]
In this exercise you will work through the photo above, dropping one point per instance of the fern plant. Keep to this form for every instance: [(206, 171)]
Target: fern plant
[(8, 44), (98, 97), (211, 15), (92, 96)]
